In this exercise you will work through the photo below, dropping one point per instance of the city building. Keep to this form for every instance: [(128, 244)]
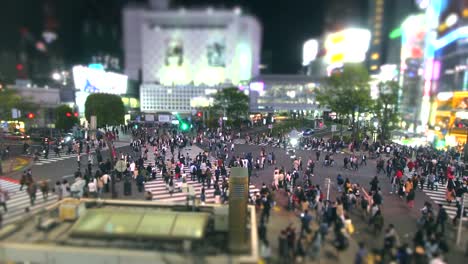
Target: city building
[(447, 69), (413, 39), (376, 26), (284, 94), (157, 98), (46, 98), (395, 12), (188, 49), (123, 231)]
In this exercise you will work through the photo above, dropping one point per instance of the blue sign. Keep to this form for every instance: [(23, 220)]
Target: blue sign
[(96, 66), (90, 88)]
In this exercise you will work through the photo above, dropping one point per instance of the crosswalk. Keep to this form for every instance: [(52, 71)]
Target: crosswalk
[(161, 193), (438, 196), (64, 156), (52, 158), (19, 201)]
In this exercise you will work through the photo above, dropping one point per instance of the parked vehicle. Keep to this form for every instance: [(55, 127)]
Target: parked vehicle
[(15, 136), (308, 132)]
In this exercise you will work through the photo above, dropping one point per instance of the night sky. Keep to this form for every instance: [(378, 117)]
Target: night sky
[(286, 24), (285, 27)]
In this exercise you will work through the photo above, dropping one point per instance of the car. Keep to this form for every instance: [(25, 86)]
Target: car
[(15, 136), (308, 132)]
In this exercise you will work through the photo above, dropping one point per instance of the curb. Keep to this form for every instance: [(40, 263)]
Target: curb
[(4, 178)]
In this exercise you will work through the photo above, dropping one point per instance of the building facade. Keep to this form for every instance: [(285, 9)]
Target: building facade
[(189, 49), (283, 93)]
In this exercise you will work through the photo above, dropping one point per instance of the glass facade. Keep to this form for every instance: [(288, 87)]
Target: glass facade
[(453, 71), (276, 94)]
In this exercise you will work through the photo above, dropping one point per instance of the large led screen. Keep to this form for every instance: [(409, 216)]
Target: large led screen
[(98, 81)]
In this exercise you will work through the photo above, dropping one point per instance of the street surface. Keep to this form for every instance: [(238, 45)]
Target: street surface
[(395, 210)]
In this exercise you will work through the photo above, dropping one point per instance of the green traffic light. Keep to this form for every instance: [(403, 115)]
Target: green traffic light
[(184, 126)]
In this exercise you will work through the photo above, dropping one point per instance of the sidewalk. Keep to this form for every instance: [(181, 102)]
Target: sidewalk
[(13, 165)]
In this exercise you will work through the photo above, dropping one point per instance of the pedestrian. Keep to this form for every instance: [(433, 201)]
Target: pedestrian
[(31, 190), (148, 196), (450, 195), (140, 181), (265, 251), (306, 218), (23, 180), (459, 213), (4, 197), (44, 187), (441, 218), (361, 255), (410, 198), (78, 160), (58, 190), (92, 188), (202, 196)]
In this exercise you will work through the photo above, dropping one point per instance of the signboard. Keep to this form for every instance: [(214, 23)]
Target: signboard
[(15, 113), (333, 128), (91, 80), (348, 45), (164, 118), (149, 117)]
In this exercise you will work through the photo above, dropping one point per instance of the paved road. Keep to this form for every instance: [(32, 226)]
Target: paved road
[(19, 201), (395, 210)]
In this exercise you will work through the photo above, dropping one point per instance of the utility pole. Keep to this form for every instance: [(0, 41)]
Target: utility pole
[(460, 223)]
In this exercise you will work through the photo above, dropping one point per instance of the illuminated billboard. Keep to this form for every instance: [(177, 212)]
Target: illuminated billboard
[(90, 80), (309, 51), (349, 45), (413, 37), (200, 56)]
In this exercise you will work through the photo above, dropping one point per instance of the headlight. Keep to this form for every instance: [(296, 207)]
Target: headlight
[(294, 141)]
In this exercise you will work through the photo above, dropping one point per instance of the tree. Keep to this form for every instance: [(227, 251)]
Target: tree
[(232, 103), (108, 109), (347, 92), (10, 99), (65, 117), (385, 108)]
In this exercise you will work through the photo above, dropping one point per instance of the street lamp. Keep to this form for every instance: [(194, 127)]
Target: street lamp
[(56, 76)]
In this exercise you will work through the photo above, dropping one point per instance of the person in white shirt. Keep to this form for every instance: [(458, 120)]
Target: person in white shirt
[(92, 188)]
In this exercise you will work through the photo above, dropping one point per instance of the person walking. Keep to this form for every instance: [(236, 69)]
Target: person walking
[(410, 198), (31, 190), (140, 180), (44, 187), (4, 197), (441, 219), (361, 254)]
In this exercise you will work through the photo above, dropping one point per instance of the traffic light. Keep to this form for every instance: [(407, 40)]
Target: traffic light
[(30, 115), (199, 114), (76, 114), (184, 126), (68, 114)]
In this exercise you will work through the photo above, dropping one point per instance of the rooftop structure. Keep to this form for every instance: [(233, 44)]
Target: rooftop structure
[(117, 231)]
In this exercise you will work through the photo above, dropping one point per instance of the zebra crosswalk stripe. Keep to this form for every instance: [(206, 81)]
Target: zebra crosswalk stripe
[(439, 196), (160, 191), (19, 201)]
